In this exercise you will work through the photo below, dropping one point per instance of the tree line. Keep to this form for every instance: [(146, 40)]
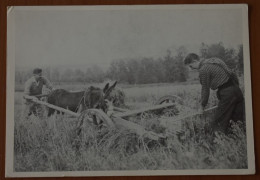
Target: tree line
[(166, 69)]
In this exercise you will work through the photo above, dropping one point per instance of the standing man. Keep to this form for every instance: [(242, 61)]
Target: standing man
[(33, 87), (214, 74)]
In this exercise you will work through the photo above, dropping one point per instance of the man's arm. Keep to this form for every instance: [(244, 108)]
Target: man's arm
[(47, 83), (27, 87), (27, 90), (234, 77), (205, 83)]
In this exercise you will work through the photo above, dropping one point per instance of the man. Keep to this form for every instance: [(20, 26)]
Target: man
[(33, 87), (214, 74)]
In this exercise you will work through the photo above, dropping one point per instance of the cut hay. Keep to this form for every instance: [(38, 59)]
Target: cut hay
[(111, 140)]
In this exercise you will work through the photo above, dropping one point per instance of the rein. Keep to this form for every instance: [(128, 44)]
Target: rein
[(88, 105), (82, 98)]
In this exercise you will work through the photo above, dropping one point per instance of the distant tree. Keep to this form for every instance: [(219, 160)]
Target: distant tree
[(231, 58), (79, 75), (113, 70), (122, 71), (175, 69), (170, 66), (89, 75), (181, 51), (228, 55), (67, 75), (160, 71), (147, 71), (47, 72), (19, 77), (181, 70), (216, 50), (132, 69), (203, 50), (55, 75), (100, 73)]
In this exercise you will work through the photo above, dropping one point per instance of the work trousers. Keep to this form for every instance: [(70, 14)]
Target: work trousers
[(30, 108), (231, 106)]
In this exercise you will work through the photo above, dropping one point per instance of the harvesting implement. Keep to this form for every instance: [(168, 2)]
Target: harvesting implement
[(118, 117)]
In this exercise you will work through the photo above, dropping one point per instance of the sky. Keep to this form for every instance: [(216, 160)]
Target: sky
[(83, 37)]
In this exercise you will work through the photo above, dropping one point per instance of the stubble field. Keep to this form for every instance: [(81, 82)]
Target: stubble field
[(52, 144)]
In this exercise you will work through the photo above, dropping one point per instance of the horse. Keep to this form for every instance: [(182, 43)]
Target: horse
[(117, 97), (93, 97)]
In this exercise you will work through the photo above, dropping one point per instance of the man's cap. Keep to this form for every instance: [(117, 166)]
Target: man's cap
[(37, 71)]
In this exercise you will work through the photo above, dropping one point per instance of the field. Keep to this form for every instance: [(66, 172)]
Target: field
[(51, 144)]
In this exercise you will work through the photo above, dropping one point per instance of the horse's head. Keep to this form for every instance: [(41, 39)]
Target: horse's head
[(95, 97), (117, 97), (108, 89)]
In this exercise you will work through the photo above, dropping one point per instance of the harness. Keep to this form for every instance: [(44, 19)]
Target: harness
[(87, 101)]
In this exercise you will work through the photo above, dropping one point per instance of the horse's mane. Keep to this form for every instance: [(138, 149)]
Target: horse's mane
[(93, 91)]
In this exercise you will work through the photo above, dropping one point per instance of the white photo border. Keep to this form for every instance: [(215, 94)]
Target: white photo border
[(9, 165)]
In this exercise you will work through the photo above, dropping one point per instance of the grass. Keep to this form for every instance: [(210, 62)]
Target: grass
[(52, 144)]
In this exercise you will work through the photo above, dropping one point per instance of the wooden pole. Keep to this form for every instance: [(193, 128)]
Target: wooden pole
[(172, 119), (41, 95), (134, 112), (120, 109), (52, 106), (139, 130), (136, 128)]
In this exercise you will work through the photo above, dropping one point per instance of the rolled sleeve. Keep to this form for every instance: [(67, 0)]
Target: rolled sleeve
[(47, 83)]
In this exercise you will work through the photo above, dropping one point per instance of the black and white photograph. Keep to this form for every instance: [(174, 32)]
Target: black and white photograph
[(128, 91)]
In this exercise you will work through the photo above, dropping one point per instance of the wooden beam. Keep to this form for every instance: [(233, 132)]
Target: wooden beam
[(173, 119), (52, 106), (119, 122), (136, 128), (135, 112), (197, 113), (120, 109), (41, 95)]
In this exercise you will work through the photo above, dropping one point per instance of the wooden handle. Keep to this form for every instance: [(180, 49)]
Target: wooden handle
[(134, 112), (52, 106)]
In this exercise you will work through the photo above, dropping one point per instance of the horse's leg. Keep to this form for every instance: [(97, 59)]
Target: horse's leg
[(50, 112)]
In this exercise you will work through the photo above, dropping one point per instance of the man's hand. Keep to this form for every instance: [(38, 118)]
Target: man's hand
[(35, 98), (30, 98), (48, 90)]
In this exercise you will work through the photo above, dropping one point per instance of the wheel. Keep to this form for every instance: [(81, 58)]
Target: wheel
[(169, 99), (171, 111)]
